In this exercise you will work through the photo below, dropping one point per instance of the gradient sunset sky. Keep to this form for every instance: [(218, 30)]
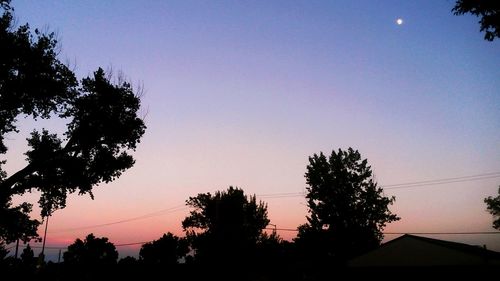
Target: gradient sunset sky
[(242, 92)]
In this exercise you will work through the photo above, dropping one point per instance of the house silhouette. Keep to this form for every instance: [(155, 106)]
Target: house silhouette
[(416, 251)]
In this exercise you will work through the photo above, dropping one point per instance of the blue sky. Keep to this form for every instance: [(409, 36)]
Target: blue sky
[(242, 92)]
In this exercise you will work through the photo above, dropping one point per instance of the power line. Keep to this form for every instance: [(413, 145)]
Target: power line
[(296, 194), (149, 215), (442, 181), (294, 230), (445, 179), (402, 185), (162, 212), (447, 233), (133, 243), (40, 247), (282, 229), (63, 248), (280, 195), (422, 233)]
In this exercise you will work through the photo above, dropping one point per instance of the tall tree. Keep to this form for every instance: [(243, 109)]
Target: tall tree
[(28, 256), (102, 119), (226, 226), (91, 252), (493, 204), (3, 251), (487, 10), (165, 251), (347, 209)]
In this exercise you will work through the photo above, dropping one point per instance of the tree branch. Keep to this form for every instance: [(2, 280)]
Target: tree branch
[(6, 186), (6, 189)]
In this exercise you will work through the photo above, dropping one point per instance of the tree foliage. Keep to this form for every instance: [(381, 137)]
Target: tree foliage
[(348, 211), (225, 226), (102, 119), (493, 204), (91, 252), (165, 251), (3, 251), (28, 256), (487, 10)]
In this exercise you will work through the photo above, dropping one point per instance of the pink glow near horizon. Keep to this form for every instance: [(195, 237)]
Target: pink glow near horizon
[(241, 93)]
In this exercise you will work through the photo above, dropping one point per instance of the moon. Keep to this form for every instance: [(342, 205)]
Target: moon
[(399, 21)]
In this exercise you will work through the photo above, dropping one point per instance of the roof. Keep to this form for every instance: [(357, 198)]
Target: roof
[(464, 248), (417, 251)]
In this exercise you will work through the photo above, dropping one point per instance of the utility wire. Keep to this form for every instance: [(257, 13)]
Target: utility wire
[(280, 195), (426, 233), (294, 230), (150, 215), (62, 248), (403, 185), (447, 233), (282, 229), (134, 243), (442, 181), (162, 212), (445, 179), (40, 247), (296, 194)]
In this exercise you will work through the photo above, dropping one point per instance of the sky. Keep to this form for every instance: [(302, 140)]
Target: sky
[(241, 93)]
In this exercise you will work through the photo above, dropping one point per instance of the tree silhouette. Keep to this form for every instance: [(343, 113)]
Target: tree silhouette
[(494, 208), (28, 256), (102, 126), (165, 251), (16, 222), (92, 252), (128, 261), (26, 268), (487, 10), (3, 251), (347, 210), (5, 4), (225, 227), (271, 252)]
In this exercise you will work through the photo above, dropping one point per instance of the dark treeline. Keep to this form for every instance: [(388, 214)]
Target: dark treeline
[(226, 239), (225, 235)]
